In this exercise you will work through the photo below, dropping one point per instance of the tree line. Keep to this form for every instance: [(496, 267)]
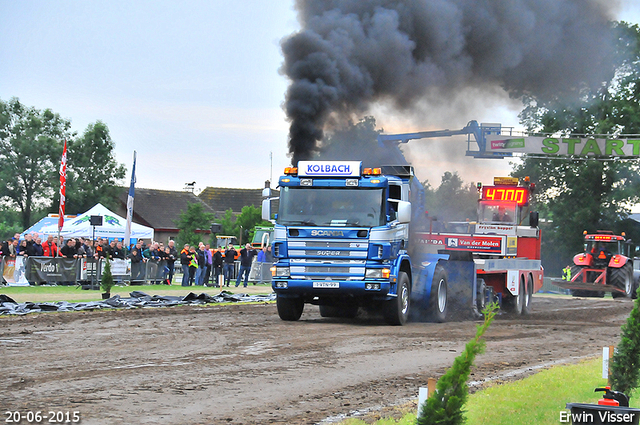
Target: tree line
[(31, 144)]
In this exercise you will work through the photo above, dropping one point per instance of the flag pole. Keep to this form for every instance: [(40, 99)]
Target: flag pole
[(127, 232), (63, 191)]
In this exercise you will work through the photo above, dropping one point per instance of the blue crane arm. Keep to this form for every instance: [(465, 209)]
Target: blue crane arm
[(472, 128)]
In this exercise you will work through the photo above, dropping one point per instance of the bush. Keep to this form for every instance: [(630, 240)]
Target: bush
[(625, 365), (445, 405), (106, 281)]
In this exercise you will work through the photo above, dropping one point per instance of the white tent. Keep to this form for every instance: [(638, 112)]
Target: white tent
[(113, 226)]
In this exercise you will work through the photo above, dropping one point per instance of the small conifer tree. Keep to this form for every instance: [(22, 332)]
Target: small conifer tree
[(106, 281), (445, 405), (625, 365)]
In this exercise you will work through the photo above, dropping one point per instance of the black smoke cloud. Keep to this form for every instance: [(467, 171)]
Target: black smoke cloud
[(350, 54)]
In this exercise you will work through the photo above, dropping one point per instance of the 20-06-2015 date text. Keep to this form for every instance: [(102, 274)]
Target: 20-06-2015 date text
[(42, 417)]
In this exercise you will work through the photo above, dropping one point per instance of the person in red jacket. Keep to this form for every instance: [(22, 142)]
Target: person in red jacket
[(49, 247)]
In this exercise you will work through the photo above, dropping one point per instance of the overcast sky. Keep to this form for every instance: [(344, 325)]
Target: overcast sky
[(192, 86)]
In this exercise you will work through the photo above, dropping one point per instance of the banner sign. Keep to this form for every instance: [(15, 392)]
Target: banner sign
[(484, 244), (119, 268), (48, 269), (560, 146), (14, 271)]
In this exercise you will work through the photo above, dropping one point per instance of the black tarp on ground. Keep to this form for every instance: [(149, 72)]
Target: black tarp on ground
[(137, 299)]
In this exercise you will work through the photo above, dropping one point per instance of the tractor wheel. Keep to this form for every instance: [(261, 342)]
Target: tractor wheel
[(396, 310), (289, 309), (622, 278), (526, 307), (514, 304), (439, 298)]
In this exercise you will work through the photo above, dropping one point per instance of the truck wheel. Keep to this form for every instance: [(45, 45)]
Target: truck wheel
[(289, 309), (622, 278), (396, 310), (528, 296), (513, 304), (439, 301)]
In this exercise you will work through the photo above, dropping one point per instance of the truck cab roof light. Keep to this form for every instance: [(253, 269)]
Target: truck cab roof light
[(376, 171), (291, 171), (366, 171)]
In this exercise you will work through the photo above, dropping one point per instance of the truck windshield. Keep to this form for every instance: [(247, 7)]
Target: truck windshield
[(303, 206), (497, 212)]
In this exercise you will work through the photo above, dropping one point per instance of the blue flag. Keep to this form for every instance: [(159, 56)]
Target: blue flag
[(127, 233)]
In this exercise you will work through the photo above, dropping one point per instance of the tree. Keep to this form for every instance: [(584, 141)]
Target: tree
[(93, 172), (193, 219), (106, 280), (229, 224), (31, 143), (453, 200), (249, 218), (445, 405), (625, 365), (244, 223), (574, 194), (30, 154)]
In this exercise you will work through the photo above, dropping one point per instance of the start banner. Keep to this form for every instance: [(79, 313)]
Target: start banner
[(569, 146)]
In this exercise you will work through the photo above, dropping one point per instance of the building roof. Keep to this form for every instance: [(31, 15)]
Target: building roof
[(222, 198), (160, 209)]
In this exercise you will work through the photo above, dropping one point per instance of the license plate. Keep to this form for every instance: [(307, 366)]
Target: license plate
[(326, 284)]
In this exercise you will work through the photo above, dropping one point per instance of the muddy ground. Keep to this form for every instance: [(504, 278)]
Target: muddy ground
[(240, 364)]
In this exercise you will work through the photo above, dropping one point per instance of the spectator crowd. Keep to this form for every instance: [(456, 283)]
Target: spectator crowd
[(200, 266)]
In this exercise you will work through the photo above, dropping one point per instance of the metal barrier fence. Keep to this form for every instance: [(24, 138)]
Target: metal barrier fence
[(38, 270), (549, 287)]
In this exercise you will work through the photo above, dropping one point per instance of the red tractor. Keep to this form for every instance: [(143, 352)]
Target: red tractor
[(604, 266)]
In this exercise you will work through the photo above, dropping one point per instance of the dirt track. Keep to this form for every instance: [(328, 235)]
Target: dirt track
[(242, 364)]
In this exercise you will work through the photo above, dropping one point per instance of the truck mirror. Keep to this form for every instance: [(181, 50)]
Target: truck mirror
[(404, 211), (266, 192), (266, 209), (533, 219)]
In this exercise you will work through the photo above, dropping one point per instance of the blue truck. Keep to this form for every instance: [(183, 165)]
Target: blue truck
[(348, 237)]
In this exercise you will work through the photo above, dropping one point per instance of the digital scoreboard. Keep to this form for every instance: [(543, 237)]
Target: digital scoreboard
[(519, 195)]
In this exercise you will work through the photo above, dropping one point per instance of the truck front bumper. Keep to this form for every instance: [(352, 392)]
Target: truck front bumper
[(319, 288)]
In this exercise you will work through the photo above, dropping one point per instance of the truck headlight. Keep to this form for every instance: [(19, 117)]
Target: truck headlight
[(373, 274), (377, 273), (280, 271)]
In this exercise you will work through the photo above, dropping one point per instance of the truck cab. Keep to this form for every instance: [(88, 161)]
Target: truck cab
[(340, 240)]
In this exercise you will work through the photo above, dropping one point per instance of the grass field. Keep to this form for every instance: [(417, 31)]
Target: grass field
[(77, 294), (538, 399)]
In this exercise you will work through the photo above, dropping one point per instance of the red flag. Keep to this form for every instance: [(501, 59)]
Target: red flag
[(63, 185)]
